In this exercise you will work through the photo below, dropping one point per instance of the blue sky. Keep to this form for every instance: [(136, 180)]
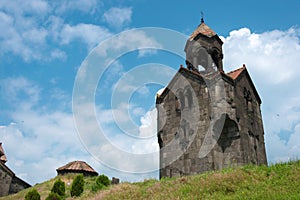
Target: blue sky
[(44, 43)]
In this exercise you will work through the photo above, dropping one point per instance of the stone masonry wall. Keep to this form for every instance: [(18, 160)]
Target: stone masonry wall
[(5, 180), (215, 128)]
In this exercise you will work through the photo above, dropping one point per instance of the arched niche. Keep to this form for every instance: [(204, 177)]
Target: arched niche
[(188, 97), (226, 152)]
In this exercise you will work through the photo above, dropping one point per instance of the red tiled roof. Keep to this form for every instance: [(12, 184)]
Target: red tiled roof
[(204, 30), (235, 73), (77, 166), (2, 154)]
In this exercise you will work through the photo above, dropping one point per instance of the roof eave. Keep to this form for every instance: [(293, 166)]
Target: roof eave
[(245, 72)]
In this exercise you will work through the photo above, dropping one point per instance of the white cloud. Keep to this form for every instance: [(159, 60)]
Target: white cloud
[(272, 59), (35, 36), (119, 116), (127, 41), (10, 39), (271, 53), (55, 25), (20, 33), (59, 54), (114, 147), (20, 7), (146, 52), (112, 73), (85, 6), (16, 88), (39, 139), (88, 33), (118, 17), (145, 142), (33, 29), (148, 126), (143, 90), (137, 111)]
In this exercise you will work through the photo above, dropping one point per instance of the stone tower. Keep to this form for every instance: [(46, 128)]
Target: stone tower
[(204, 48), (208, 119)]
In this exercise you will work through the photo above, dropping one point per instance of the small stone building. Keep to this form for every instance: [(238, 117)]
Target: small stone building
[(9, 182), (77, 167), (208, 119)]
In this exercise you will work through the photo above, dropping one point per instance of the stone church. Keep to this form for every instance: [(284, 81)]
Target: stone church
[(208, 119), (9, 182)]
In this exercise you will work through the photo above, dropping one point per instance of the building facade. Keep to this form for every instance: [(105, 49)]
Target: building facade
[(9, 182), (77, 167), (208, 119)]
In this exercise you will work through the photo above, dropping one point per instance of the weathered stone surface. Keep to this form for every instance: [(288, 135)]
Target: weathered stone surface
[(9, 183), (5, 179), (17, 185), (115, 180), (209, 120)]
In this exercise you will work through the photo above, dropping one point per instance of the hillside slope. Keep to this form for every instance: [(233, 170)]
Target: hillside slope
[(280, 181)]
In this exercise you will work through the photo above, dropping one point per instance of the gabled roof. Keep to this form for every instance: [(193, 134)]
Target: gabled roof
[(235, 73), (77, 166), (238, 73), (2, 154)]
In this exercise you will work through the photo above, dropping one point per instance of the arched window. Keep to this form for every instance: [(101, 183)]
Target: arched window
[(189, 97), (181, 98), (248, 99), (160, 142), (179, 101), (230, 132), (177, 105), (215, 57)]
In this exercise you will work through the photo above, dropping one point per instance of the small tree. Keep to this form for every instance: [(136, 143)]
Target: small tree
[(96, 187), (54, 196), (101, 182), (102, 179), (33, 195), (77, 185), (59, 188)]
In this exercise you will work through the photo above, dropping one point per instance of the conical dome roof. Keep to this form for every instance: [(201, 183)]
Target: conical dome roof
[(77, 167), (204, 30)]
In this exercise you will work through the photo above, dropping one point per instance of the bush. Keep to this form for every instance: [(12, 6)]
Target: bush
[(101, 182), (96, 187), (77, 185), (54, 196), (33, 195), (59, 188), (102, 179)]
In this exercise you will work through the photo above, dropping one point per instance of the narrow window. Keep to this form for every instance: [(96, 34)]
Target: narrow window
[(160, 142), (189, 98), (177, 105)]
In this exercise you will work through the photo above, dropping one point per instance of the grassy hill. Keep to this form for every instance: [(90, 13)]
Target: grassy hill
[(280, 181)]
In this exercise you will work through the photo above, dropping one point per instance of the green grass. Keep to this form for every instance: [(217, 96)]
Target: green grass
[(279, 181)]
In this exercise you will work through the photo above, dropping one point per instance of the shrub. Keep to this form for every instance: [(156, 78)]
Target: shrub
[(59, 188), (54, 196), (102, 179), (77, 185), (96, 187), (33, 195), (101, 182)]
